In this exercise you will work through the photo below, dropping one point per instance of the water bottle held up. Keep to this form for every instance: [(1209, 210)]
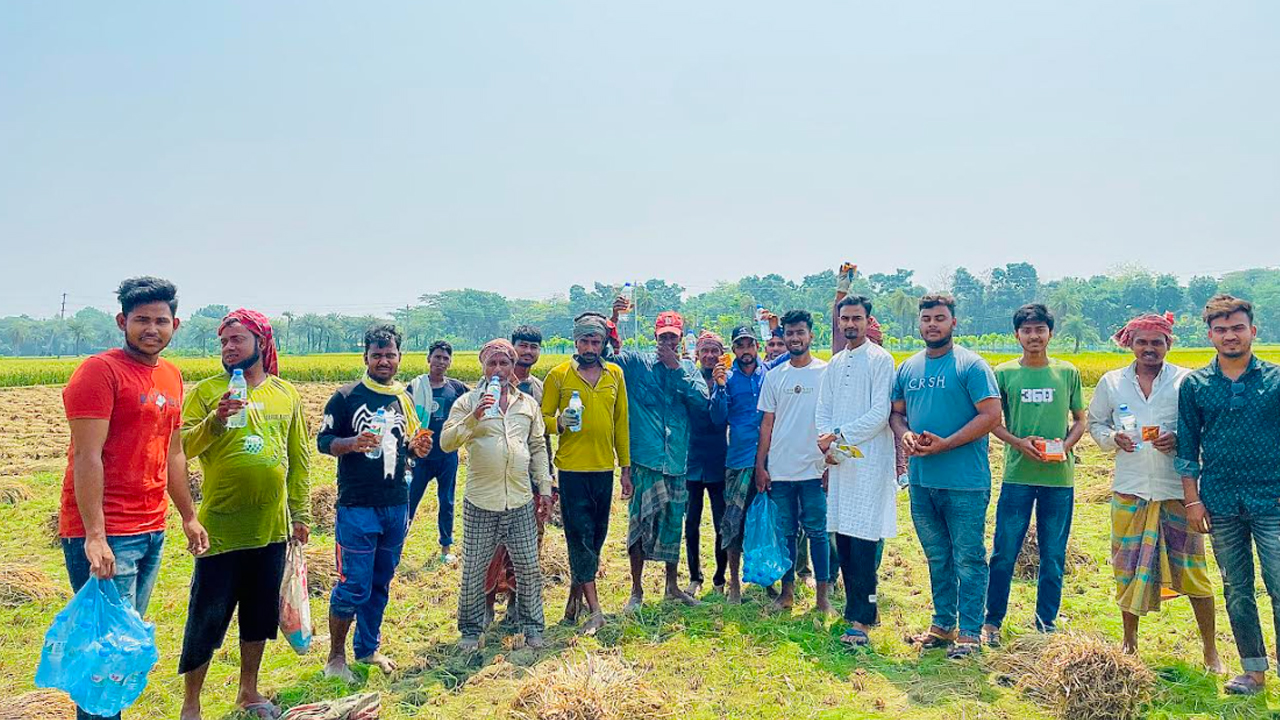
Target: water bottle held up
[(628, 293), (239, 390), (691, 346), (573, 413), (378, 426), (1129, 426), (762, 324), (494, 390)]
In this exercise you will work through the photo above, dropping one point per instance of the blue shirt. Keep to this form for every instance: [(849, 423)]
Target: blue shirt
[(942, 395), (660, 403), (736, 404), (708, 444)]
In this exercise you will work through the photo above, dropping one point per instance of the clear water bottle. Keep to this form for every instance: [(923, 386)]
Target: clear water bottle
[(378, 426), (628, 293), (494, 390), (239, 390), (762, 324), (573, 413), (1129, 426), (691, 346)]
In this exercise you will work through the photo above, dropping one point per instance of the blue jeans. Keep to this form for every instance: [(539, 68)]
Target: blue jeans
[(1234, 537), (369, 541), (443, 468), (801, 503), (137, 567), (950, 525), (1053, 508)]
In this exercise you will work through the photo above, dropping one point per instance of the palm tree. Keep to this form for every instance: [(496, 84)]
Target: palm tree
[(1078, 329), (903, 307)]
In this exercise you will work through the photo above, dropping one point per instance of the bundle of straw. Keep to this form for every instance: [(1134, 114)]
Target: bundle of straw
[(1078, 676), (13, 492), (324, 507), (38, 705), (21, 584), (322, 570), (591, 687), (1027, 564)]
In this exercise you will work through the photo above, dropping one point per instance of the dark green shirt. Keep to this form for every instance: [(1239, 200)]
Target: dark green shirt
[(1229, 437)]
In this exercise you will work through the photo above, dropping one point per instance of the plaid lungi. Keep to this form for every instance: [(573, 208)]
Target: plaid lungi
[(1154, 555), (657, 510), (739, 489)]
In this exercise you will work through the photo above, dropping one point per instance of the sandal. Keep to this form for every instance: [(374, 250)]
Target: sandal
[(963, 648), (932, 638), (855, 638), (266, 710), (1243, 685)]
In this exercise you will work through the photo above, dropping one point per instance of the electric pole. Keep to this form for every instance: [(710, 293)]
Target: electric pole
[(62, 314)]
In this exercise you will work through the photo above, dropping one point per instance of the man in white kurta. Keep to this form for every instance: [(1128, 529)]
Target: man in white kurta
[(854, 403)]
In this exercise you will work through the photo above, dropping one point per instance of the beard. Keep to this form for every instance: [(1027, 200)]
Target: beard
[(797, 352), (526, 363), (587, 359), (939, 343), (244, 364), (747, 361)]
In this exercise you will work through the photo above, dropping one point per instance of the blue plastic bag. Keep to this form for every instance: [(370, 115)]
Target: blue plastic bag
[(98, 650), (764, 553)]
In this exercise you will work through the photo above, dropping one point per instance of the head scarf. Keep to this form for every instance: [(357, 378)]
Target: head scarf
[(710, 339), (258, 324), (874, 334), (497, 346), (1160, 323), (590, 324)]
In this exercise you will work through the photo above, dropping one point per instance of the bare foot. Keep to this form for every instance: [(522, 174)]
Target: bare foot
[(1213, 663), (337, 668), (990, 635), (634, 603), (469, 644), (809, 582), (192, 713), (1129, 648), (680, 596), (380, 661), (823, 606), (694, 588), (734, 595), (593, 624), (784, 602)]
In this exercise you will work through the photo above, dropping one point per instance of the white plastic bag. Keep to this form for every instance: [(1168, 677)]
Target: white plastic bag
[(295, 607)]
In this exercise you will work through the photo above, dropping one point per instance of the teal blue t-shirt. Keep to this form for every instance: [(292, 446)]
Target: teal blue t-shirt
[(942, 395)]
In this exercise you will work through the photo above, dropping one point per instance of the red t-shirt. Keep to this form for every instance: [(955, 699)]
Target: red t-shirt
[(144, 406)]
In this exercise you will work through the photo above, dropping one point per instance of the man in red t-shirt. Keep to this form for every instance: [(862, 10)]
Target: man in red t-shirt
[(125, 410)]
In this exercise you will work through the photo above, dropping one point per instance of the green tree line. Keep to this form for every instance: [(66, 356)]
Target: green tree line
[(1089, 310)]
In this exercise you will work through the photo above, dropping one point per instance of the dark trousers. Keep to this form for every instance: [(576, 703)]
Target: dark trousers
[(1053, 507), (249, 579), (585, 500), (443, 468), (858, 565), (1234, 540), (693, 528)]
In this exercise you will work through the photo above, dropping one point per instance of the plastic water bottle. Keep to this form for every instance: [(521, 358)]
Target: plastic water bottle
[(691, 346), (378, 427), (239, 390), (1129, 426), (762, 324), (628, 293), (574, 412), (494, 390)]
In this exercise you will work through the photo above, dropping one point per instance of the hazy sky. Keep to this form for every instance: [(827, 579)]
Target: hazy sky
[(352, 156)]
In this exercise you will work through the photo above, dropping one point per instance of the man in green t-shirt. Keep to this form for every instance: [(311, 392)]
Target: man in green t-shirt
[(256, 499), (1044, 418)]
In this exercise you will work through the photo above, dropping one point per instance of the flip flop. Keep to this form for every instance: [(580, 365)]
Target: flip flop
[(855, 638), (931, 639), (265, 710), (963, 648), (1243, 685)]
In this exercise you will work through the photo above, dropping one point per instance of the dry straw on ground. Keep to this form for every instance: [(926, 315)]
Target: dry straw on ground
[(324, 507), (52, 529), (1078, 676), (38, 705), (13, 492), (1027, 565), (21, 584), (322, 570), (589, 687)]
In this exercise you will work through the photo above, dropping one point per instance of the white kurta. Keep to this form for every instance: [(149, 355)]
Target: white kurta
[(855, 397)]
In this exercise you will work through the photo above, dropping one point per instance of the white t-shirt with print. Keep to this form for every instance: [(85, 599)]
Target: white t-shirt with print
[(791, 394)]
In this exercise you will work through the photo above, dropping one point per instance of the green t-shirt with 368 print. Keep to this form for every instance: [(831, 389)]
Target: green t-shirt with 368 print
[(1038, 401)]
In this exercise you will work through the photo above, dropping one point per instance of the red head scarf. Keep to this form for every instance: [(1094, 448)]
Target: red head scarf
[(258, 324), (874, 334), (1160, 323)]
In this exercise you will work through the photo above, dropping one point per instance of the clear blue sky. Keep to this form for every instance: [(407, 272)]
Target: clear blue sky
[(352, 156)]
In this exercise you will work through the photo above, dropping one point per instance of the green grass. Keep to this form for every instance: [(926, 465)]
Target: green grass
[(709, 662)]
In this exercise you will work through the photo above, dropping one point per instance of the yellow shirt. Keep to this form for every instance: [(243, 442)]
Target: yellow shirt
[(502, 452), (604, 440)]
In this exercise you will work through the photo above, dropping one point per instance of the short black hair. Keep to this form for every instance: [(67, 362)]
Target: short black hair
[(1223, 305), (933, 300), (795, 317), (382, 336), (146, 289), (1032, 313), (526, 333), (865, 302), (440, 345)]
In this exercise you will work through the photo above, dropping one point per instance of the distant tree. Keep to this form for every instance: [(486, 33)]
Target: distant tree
[(1199, 290), (1077, 329)]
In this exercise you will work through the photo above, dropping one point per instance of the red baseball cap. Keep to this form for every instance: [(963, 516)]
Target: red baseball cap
[(669, 322)]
